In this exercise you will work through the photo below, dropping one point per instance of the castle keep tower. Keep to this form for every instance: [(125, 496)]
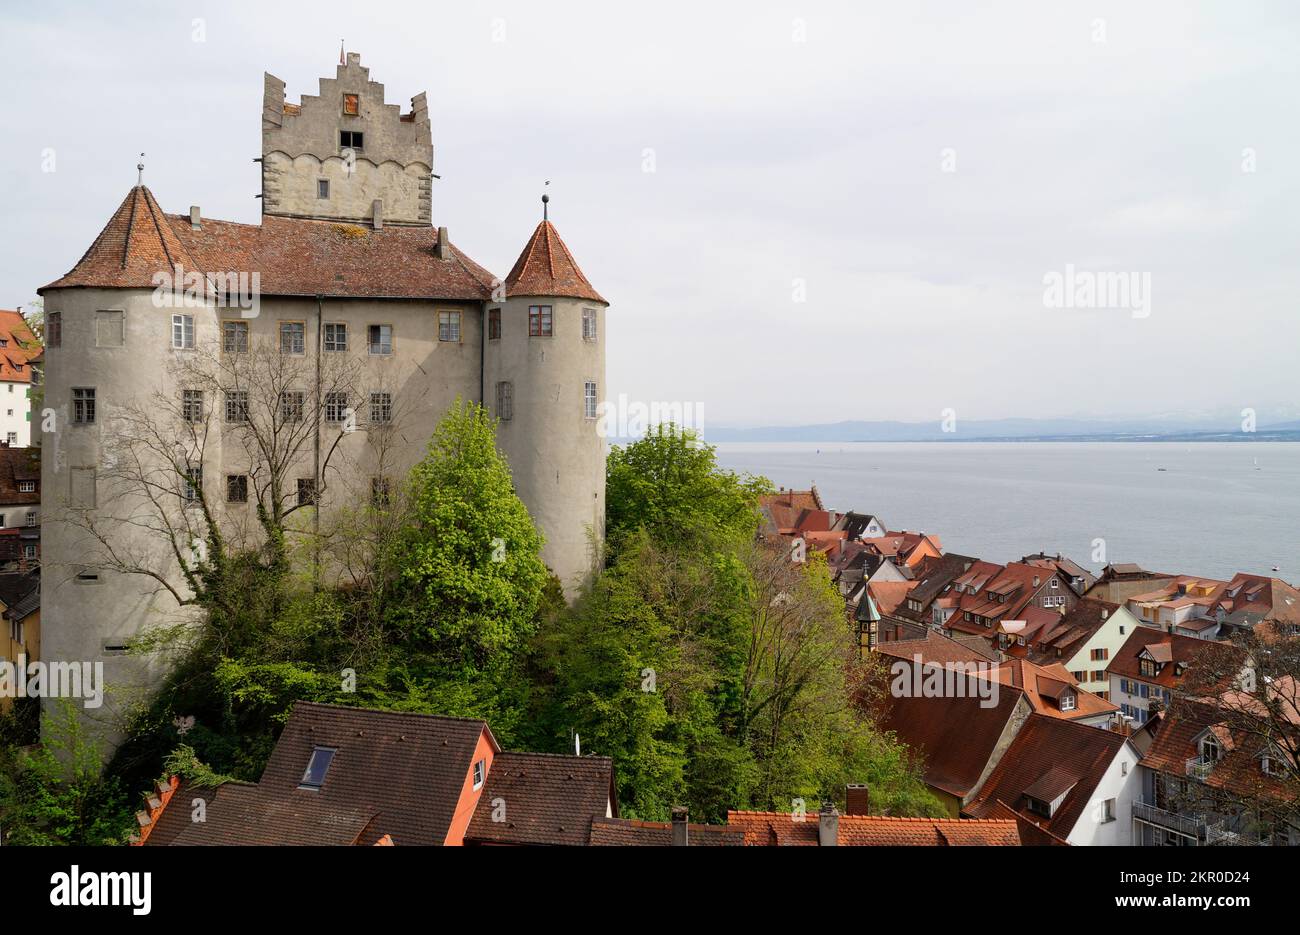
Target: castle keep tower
[(544, 378), (345, 155)]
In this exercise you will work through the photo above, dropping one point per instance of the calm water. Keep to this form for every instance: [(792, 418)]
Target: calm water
[(1216, 509)]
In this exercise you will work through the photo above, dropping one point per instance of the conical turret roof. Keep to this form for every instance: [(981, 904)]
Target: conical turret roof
[(547, 268)]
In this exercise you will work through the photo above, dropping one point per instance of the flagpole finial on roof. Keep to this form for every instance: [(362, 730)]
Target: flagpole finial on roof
[(343, 59), (546, 200), (139, 172)]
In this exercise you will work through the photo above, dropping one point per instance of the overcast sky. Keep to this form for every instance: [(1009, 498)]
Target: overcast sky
[(796, 148)]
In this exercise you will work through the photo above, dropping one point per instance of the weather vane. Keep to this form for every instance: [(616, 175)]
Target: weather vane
[(546, 199)]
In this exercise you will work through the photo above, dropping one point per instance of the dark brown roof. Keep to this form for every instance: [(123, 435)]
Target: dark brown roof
[(933, 575), (406, 770), (1050, 757), (179, 813), (248, 815), (19, 464), (1172, 652), (934, 647), (955, 736), (293, 256), (547, 268), (546, 798), (630, 832)]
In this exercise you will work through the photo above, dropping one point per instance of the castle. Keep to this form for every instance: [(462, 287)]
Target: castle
[(345, 274)]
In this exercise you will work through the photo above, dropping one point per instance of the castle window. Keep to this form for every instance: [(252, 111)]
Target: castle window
[(237, 405), (505, 400), (351, 139), (381, 407), (110, 329), (336, 407), (306, 491), (449, 327), (539, 321), (234, 337), (336, 336), (352, 105), (494, 324), (182, 332), (193, 484), (381, 339), (588, 324), (236, 488), (83, 406), (54, 329), (293, 337), (323, 189), (192, 405), (27, 486), (291, 405), (589, 400)]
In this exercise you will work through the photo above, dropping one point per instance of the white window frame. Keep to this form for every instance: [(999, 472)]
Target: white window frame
[(182, 339)]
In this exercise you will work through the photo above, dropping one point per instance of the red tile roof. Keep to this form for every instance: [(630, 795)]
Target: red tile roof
[(18, 465), (933, 648), (630, 832), (19, 349), (1173, 654), (547, 268), (1044, 686), (783, 830), (293, 256)]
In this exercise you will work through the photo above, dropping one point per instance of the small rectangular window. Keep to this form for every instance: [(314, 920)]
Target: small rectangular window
[(323, 189), (352, 105), (351, 139), (110, 328), (192, 405), (336, 336), (193, 484), (589, 400), (236, 405), (505, 400), (29, 551), (237, 488), (588, 324), (480, 773), (182, 332), (83, 406), (449, 327), (336, 407), (494, 324), (31, 518), (381, 339), (234, 337), (306, 491), (54, 329), (291, 404), (313, 777), (11, 439), (539, 321), (293, 337), (27, 486), (381, 407)]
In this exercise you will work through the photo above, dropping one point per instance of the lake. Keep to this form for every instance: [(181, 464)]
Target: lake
[(1215, 509)]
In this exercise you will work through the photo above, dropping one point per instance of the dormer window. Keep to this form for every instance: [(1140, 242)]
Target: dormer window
[(1038, 806), (352, 105), (480, 773), (1067, 701), (1271, 765), (1148, 667), (1210, 749), (313, 776)]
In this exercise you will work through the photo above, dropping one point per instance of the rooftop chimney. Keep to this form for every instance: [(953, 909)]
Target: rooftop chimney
[(857, 799), (681, 826), (194, 217), (443, 250), (377, 214), (828, 825)]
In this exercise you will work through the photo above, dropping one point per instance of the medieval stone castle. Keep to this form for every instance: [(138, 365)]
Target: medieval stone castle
[(348, 277)]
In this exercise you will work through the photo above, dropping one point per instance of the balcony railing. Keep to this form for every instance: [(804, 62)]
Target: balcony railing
[(1193, 826), (1198, 767)]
